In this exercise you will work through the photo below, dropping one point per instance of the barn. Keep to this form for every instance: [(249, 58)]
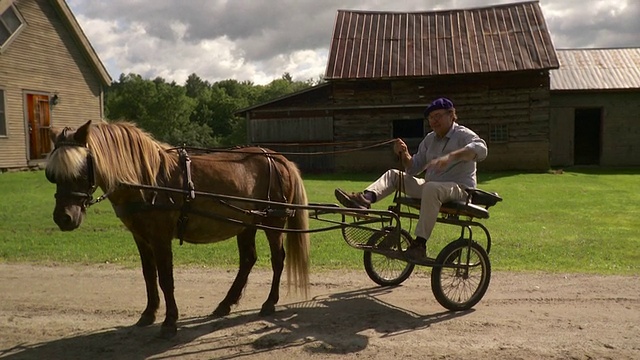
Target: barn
[(595, 108), (385, 67), (49, 76)]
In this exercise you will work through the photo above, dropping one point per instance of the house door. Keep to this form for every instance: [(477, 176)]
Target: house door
[(39, 124), (587, 136)]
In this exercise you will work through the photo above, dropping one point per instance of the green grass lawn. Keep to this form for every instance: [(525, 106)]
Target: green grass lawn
[(578, 221)]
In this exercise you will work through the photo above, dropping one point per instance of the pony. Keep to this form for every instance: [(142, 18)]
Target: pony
[(162, 193)]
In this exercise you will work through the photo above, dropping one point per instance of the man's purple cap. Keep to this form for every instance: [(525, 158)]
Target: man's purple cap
[(438, 104)]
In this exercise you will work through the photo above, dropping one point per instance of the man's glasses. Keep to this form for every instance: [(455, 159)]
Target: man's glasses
[(437, 116)]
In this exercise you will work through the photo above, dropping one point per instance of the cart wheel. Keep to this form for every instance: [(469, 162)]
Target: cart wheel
[(383, 270), (460, 288)]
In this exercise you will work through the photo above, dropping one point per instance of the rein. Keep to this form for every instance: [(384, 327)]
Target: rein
[(285, 153), (99, 198), (188, 190), (186, 164)]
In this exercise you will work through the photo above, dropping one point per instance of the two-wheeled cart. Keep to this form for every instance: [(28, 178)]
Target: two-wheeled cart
[(460, 273)]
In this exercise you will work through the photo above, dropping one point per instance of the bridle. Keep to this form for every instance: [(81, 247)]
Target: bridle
[(86, 197)]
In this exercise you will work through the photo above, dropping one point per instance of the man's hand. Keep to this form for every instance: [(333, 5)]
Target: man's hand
[(440, 163), (464, 154), (400, 148)]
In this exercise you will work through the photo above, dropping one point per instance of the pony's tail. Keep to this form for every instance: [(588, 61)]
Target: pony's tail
[(297, 244)]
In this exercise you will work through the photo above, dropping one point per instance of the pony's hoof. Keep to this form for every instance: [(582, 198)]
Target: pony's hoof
[(146, 320), (167, 332), (221, 310), (267, 309)]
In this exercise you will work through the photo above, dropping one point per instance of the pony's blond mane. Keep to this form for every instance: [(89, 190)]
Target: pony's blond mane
[(122, 153)]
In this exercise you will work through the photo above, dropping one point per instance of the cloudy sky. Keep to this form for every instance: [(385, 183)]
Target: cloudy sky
[(259, 40)]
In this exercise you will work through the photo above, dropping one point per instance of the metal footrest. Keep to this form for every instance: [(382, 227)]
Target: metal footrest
[(368, 232)]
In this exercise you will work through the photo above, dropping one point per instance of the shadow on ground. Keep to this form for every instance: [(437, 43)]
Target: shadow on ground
[(330, 324)]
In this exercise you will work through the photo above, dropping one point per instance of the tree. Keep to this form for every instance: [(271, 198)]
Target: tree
[(287, 77), (160, 108), (194, 86), (198, 113)]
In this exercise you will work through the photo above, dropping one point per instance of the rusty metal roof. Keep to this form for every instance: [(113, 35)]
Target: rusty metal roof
[(510, 37), (597, 69)]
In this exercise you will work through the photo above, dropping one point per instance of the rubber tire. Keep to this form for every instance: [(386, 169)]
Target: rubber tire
[(371, 270), (436, 275)]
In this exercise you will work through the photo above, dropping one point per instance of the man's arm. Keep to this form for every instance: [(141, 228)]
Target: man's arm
[(463, 154), (475, 150)]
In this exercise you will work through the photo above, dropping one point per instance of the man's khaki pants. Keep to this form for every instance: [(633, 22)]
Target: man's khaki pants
[(431, 193)]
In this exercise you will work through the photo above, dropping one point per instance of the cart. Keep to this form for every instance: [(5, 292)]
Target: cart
[(461, 271)]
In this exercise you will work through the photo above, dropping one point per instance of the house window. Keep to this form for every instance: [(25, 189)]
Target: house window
[(498, 133), (407, 129), (3, 116), (10, 23)]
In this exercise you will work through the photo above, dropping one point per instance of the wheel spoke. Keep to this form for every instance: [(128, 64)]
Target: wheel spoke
[(464, 278), (384, 270), (459, 284), (387, 268)]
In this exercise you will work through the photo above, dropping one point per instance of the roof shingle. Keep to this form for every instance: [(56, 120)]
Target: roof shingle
[(511, 37)]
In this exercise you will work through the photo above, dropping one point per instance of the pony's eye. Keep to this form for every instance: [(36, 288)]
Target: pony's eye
[(50, 176)]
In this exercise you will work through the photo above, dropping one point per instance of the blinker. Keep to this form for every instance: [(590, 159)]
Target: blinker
[(49, 176)]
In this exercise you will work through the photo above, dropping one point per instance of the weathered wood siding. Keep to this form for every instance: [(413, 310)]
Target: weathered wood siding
[(620, 125), (362, 112), (364, 127), (519, 100), (45, 59), (289, 129), (295, 133)]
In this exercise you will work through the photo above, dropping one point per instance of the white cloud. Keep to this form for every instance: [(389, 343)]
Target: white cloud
[(261, 40)]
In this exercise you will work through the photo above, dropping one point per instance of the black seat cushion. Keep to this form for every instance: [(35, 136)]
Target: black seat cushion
[(477, 208), (462, 208), (483, 198)]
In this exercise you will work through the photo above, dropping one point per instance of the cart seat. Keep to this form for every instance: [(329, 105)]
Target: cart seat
[(476, 205)]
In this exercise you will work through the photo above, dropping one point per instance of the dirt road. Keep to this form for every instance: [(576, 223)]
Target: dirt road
[(86, 312)]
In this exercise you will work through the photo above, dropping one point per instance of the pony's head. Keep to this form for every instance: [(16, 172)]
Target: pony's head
[(70, 166)]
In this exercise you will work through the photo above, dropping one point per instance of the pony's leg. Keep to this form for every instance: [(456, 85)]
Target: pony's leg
[(247, 251), (277, 264), (151, 282), (164, 263)]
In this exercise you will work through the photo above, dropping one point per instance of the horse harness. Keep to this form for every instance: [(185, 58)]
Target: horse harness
[(189, 194), (188, 191)]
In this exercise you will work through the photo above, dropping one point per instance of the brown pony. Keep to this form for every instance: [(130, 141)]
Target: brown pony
[(172, 201)]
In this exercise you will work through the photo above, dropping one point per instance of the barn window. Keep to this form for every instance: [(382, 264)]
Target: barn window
[(3, 117), (498, 133), (407, 129), (10, 24)]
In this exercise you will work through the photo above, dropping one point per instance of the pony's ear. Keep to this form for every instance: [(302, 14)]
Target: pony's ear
[(53, 134), (82, 134)]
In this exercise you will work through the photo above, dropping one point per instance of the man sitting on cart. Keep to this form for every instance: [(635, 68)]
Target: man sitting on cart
[(448, 154)]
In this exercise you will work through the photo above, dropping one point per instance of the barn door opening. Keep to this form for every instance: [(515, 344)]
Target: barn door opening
[(411, 131), (587, 136), (39, 124)]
